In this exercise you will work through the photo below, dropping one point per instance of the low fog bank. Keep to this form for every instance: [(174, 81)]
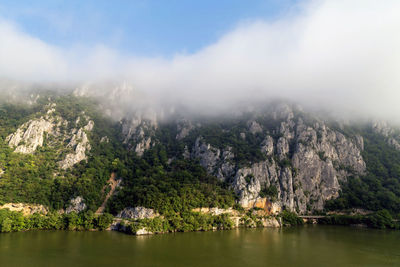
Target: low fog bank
[(339, 56)]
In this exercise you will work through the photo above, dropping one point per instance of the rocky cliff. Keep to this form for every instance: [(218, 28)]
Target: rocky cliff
[(391, 134), (304, 161), (65, 136), (272, 157), (138, 131), (301, 157)]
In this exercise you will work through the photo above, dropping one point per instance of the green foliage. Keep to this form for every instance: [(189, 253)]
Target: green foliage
[(11, 221), (271, 192), (284, 163), (184, 222), (290, 218), (180, 186), (321, 155), (103, 221), (248, 178), (149, 181), (380, 219), (343, 220), (37, 178)]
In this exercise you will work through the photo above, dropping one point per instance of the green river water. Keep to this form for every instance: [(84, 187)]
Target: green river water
[(301, 246)]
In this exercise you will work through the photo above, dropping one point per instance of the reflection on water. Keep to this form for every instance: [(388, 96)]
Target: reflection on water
[(303, 246)]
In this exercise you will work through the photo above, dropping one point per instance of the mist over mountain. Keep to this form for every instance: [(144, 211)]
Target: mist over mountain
[(340, 56)]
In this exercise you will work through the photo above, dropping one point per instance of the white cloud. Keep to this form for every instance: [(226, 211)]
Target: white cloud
[(335, 54)]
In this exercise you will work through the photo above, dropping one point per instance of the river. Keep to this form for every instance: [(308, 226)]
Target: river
[(300, 246)]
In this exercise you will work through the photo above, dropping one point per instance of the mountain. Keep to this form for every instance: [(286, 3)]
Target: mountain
[(68, 152)]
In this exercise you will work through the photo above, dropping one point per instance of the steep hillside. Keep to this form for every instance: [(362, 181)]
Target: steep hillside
[(279, 153), (60, 151), (55, 149)]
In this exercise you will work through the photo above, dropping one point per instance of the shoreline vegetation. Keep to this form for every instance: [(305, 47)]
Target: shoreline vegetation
[(14, 221)]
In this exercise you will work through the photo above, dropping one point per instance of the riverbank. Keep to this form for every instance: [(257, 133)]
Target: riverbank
[(381, 219), (190, 221), (195, 221), (202, 220)]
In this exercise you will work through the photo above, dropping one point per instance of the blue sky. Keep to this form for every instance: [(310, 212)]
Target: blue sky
[(140, 27)]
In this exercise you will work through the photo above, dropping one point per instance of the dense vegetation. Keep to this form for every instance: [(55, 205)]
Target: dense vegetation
[(381, 219), (149, 181), (185, 222), (37, 178), (168, 188), (162, 179), (379, 189), (290, 218), (11, 221)]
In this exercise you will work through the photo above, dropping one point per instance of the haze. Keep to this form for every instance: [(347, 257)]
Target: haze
[(337, 55)]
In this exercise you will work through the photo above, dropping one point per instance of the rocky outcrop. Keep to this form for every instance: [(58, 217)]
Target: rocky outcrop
[(267, 146), (216, 211), (214, 160), (137, 213), (265, 206), (271, 222), (26, 209), (138, 132), (254, 127), (183, 128), (30, 135), (51, 129), (392, 136), (79, 143), (304, 160), (259, 217), (143, 231), (104, 139), (305, 157), (208, 155), (383, 128), (76, 205)]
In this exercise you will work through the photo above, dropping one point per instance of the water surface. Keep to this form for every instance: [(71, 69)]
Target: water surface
[(302, 246)]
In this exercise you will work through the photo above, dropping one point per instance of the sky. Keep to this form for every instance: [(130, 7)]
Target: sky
[(333, 54), (139, 27)]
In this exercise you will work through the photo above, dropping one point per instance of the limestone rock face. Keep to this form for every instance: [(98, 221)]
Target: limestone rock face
[(30, 135), (267, 146), (271, 223), (216, 211), (50, 128), (382, 128), (304, 161), (143, 231), (138, 132), (104, 139), (391, 135), (76, 204), (26, 209), (254, 127), (303, 157), (207, 154), (183, 128), (214, 160), (79, 143), (137, 213), (282, 148)]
